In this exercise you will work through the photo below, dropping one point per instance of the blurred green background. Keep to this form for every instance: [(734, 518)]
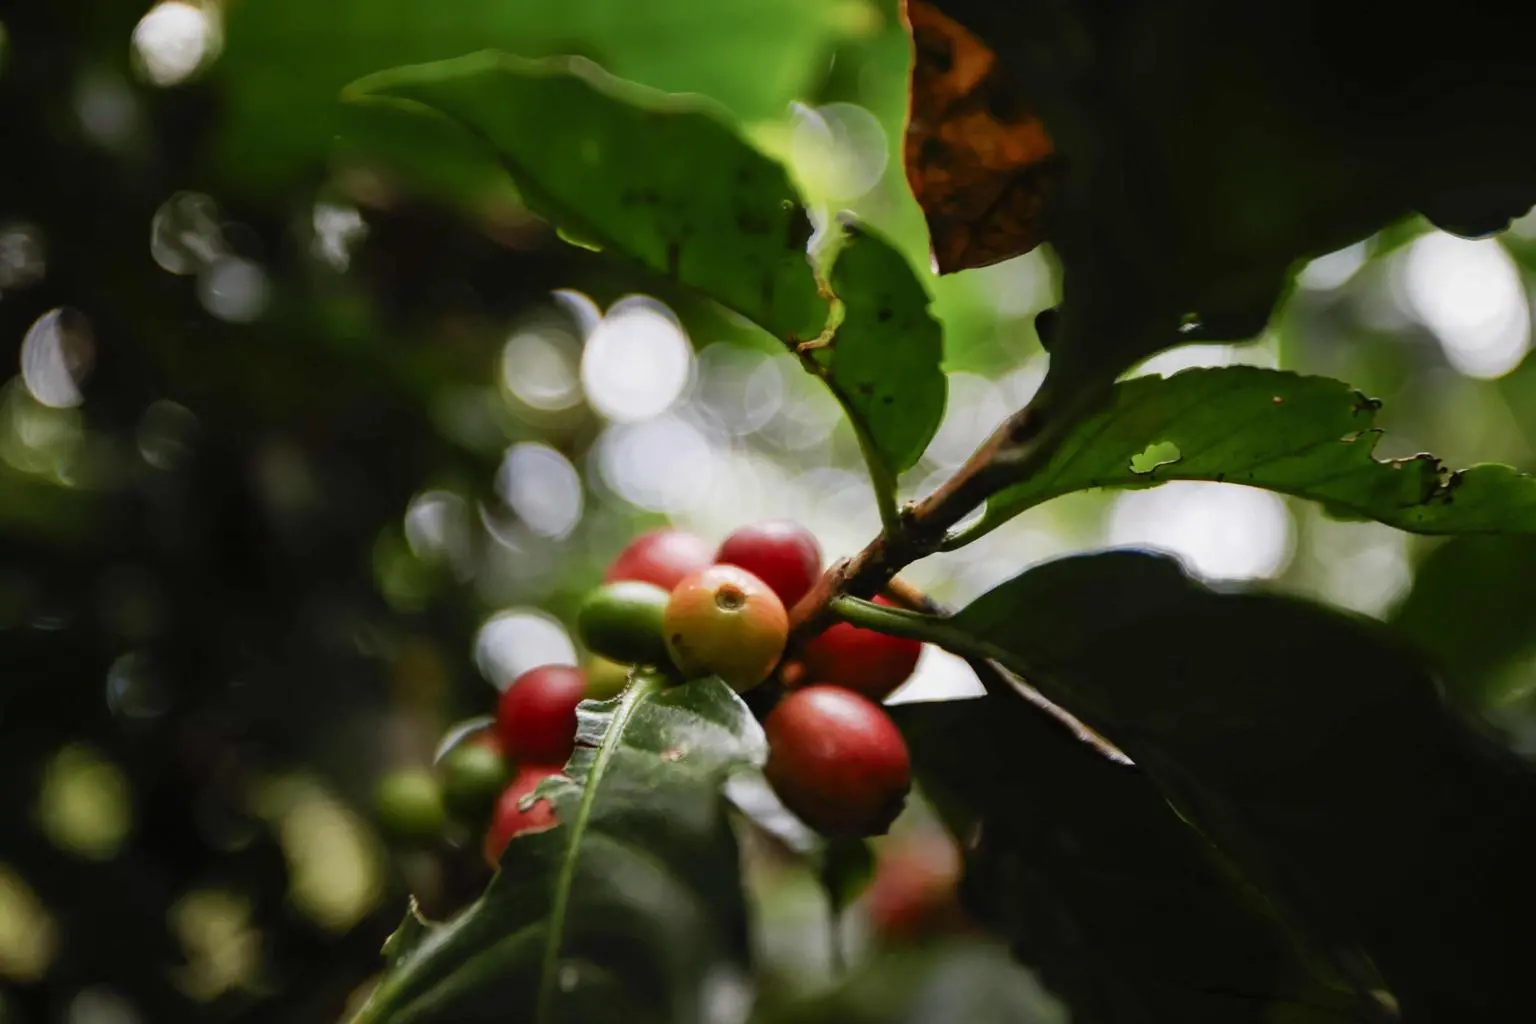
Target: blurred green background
[(298, 462)]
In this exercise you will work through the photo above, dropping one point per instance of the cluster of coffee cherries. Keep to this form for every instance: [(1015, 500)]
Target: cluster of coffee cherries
[(835, 758), (485, 778), (674, 602)]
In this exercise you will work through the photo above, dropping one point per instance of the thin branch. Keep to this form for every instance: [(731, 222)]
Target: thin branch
[(1024, 441)]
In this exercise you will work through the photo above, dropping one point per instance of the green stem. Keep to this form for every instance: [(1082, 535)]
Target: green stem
[(880, 477), (930, 629), (837, 959)]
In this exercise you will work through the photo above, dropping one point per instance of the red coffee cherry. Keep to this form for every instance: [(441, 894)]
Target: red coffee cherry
[(509, 819), (781, 553), (913, 892), (863, 660), (838, 761), (725, 621), (536, 715), (662, 557)]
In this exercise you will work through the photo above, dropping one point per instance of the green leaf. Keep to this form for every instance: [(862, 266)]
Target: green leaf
[(1098, 885), (662, 180), (1312, 750), (963, 980), (433, 155), (887, 351), (284, 60), (658, 179), (630, 909), (1307, 436), (1470, 611)]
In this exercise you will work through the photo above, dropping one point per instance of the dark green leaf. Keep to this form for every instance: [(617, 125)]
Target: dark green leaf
[(1099, 886), (963, 981), (285, 59), (1312, 750), (630, 909), (1307, 436), (433, 155), (1209, 146), (663, 181)]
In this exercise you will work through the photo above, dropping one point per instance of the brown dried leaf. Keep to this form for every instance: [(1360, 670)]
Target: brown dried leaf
[(978, 160)]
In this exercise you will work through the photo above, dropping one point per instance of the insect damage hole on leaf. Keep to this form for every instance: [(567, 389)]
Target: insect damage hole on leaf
[(1158, 453)]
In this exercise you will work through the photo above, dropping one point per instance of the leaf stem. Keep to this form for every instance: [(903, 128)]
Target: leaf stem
[(836, 956), (881, 479), (993, 665), (932, 629), (643, 685)]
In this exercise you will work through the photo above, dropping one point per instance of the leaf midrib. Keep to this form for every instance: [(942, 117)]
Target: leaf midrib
[(642, 687)]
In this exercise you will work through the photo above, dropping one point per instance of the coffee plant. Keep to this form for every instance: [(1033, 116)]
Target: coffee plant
[(1171, 799), (1277, 817)]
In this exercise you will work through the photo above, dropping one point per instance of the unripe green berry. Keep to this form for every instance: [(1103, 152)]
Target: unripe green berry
[(474, 773), (623, 622), (409, 804), (606, 679)]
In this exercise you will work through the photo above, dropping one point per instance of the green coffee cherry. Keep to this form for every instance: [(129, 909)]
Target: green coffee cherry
[(474, 774), (605, 679), (622, 622), (409, 804)]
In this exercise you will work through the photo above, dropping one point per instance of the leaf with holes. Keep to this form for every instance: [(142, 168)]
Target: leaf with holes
[(1123, 909), (1307, 436), (663, 181), (1312, 750), (1206, 147), (630, 909)]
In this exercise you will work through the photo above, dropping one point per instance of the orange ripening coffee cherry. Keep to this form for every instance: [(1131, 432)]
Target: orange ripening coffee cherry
[(838, 761), (725, 621), (509, 819), (662, 557), (781, 553), (863, 660), (536, 715)]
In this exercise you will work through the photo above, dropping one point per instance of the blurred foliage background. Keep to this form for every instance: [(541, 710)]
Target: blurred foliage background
[(295, 470)]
